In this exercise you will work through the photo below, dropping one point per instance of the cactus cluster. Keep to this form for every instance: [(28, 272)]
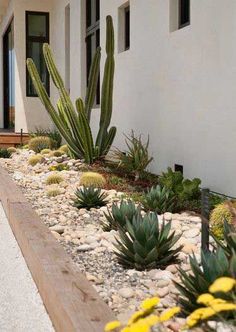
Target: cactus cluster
[(72, 122)]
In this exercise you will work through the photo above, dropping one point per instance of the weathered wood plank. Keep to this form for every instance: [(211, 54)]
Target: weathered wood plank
[(71, 301)]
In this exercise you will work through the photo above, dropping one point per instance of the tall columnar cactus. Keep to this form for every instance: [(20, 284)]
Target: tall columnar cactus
[(74, 122)]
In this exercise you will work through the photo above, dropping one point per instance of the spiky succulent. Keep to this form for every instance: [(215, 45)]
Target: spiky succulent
[(145, 244), (213, 265), (119, 214), (90, 197), (159, 200)]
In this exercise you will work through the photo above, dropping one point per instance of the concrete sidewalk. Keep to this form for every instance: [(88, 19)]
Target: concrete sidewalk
[(21, 307)]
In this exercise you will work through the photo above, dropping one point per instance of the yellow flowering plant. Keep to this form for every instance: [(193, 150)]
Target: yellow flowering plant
[(215, 307), (144, 319)]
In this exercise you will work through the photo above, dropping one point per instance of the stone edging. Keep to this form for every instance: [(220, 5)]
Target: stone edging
[(72, 303)]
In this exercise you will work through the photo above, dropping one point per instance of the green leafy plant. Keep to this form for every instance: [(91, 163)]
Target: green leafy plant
[(54, 179), (40, 143), (223, 212), (53, 134), (90, 197), (159, 200), (197, 282), (94, 179), (34, 160), (119, 214), (73, 124), (4, 153), (136, 159), (145, 244)]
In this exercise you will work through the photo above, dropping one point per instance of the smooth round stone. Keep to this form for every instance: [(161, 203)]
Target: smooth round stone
[(84, 247), (191, 233), (162, 292), (126, 292)]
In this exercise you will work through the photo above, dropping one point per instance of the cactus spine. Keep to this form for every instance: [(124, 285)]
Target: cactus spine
[(74, 122)]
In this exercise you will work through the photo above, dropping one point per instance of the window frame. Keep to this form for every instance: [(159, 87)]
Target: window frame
[(126, 28), (93, 31), (36, 39), (183, 25)]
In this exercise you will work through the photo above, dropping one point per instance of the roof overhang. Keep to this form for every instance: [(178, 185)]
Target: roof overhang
[(3, 7)]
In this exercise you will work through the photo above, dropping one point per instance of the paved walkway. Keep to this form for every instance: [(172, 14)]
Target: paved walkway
[(21, 307)]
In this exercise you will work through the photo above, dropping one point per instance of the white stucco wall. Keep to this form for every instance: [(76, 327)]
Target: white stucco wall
[(179, 87)]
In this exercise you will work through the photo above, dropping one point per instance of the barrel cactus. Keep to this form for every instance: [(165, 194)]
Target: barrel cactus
[(72, 122), (224, 212)]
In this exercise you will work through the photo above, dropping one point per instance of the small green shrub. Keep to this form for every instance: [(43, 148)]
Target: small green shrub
[(46, 151), (159, 200), (54, 179), (56, 153), (34, 160), (12, 150), (92, 179), (59, 167), (119, 214), (221, 213), (90, 197), (40, 143), (145, 244), (136, 159), (53, 191), (197, 281), (4, 153), (54, 136)]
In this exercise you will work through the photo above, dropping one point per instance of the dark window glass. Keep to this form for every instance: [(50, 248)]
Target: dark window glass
[(127, 28), (92, 36), (37, 33), (184, 13)]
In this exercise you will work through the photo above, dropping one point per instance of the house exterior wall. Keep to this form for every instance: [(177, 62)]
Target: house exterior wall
[(177, 87)]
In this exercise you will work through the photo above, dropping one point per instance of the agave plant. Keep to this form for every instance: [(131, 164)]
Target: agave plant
[(137, 158), (159, 200), (119, 214), (145, 244), (90, 197), (197, 282)]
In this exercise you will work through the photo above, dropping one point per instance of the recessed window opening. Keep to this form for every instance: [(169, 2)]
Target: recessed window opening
[(92, 37), (124, 28), (37, 33), (184, 13), (67, 48)]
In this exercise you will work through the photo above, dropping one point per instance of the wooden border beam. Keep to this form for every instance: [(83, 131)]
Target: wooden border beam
[(72, 303)]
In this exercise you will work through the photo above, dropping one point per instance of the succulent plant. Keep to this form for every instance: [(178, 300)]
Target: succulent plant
[(46, 151), (12, 150), (34, 160), (159, 200), (119, 214), (64, 148), (145, 244), (73, 123), (53, 191), (54, 179), (39, 143), (221, 213), (90, 197), (136, 159), (4, 153), (213, 265), (56, 153), (94, 179)]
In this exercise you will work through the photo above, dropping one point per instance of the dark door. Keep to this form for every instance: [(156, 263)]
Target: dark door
[(9, 77)]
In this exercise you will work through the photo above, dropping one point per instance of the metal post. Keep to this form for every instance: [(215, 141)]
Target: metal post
[(205, 212)]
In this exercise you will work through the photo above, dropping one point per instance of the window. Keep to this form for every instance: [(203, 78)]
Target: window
[(92, 36), (124, 28), (37, 33), (184, 13)]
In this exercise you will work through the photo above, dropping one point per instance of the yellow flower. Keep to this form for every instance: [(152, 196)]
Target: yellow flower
[(112, 326), (224, 307), (198, 315), (136, 316), (224, 285), (205, 299), (151, 320), (150, 303), (168, 314)]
